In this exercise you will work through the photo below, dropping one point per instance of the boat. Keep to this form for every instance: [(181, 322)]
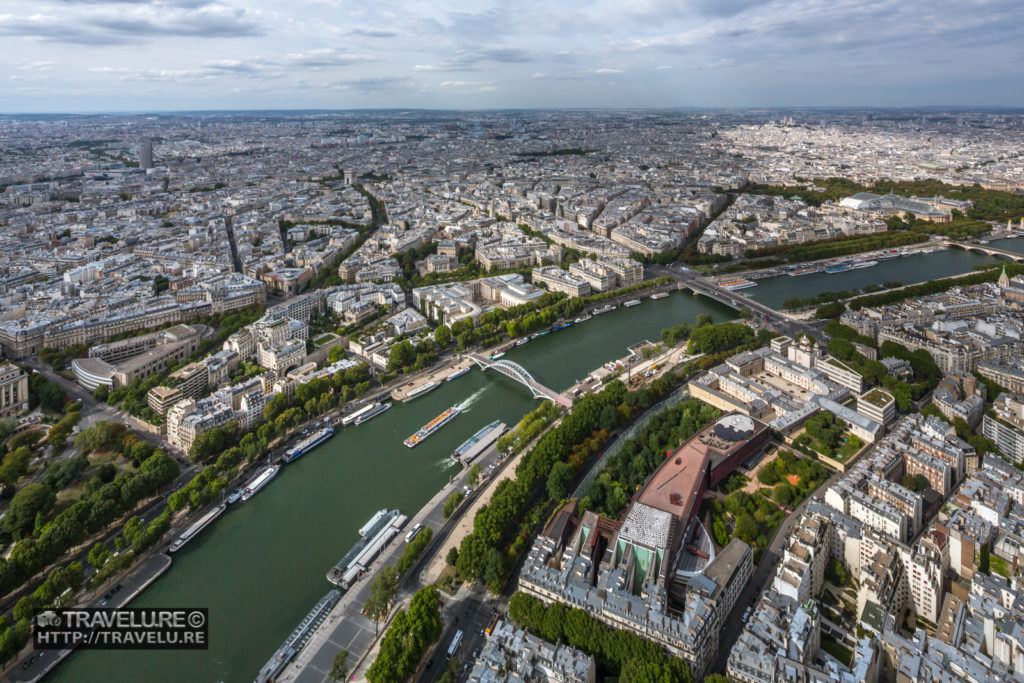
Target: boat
[(254, 485), (802, 271), (582, 319), (604, 309), (456, 375), (556, 328), (365, 413), (496, 356), (524, 340), (373, 537), (195, 528), (632, 302), (838, 269), (543, 332), (864, 264), (299, 637), (234, 496), (741, 283), (420, 390), (432, 426), (308, 444), (659, 295), (479, 442)]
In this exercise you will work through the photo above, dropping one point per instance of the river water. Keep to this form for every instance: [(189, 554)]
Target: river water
[(261, 566), (909, 270)]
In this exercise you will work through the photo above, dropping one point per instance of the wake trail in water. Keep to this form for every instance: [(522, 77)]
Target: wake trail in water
[(472, 400)]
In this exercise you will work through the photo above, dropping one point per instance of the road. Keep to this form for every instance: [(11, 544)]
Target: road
[(38, 663), (470, 612), (347, 627)]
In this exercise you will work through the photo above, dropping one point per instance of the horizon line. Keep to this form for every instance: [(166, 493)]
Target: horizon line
[(747, 108)]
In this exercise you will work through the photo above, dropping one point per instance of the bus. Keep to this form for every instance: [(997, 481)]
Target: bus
[(456, 641)]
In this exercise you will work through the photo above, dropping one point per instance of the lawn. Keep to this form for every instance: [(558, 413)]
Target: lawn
[(323, 339), (832, 646), (999, 566)]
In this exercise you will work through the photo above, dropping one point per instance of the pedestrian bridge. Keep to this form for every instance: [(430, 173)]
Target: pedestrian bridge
[(520, 374)]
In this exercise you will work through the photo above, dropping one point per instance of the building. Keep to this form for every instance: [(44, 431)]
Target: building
[(145, 155), (13, 390), (161, 398), (512, 655), (558, 280), (1006, 428), (877, 405), (191, 379), (153, 356)]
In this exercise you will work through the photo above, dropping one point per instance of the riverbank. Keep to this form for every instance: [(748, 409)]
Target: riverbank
[(280, 545)]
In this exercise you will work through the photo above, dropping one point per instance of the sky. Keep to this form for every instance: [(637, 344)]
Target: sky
[(160, 55)]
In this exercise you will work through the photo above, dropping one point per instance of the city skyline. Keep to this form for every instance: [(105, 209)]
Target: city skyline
[(175, 55)]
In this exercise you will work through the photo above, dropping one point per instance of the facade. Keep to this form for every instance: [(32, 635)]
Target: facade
[(13, 390), (877, 405), (1006, 428), (558, 280)]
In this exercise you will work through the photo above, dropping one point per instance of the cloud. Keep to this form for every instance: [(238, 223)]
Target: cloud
[(37, 66), (474, 60), (133, 24), (372, 83), (607, 71), (663, 67), (541, 76), (326, 57), (364, 33)]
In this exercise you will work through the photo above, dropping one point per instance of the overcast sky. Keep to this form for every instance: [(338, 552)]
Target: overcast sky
[(113, 55)]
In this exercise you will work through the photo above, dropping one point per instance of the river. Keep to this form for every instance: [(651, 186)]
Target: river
[(1014, 244), (261, 566), (909, 270)]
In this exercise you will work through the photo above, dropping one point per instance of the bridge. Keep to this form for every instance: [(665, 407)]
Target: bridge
[(985, 249), (779, 322), (519, 374)]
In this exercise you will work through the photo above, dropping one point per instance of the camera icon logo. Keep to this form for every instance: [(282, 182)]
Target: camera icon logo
[(47, 618)]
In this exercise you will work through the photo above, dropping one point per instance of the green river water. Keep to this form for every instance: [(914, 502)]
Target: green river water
[(261, 566)]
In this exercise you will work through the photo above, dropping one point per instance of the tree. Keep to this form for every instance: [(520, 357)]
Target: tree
[(559, 480), (442, 337), (609, 418), (494, 569), (333, 356), (98, 555), (768, 475), (473, 476), (339, 669), (984, 560), (101, 393), (402, 354), (30, 501), (383, 590)]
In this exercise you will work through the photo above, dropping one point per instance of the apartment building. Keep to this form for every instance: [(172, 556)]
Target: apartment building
[(13, 390)]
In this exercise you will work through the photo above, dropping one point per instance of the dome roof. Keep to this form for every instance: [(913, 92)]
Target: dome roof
[(734, 428)]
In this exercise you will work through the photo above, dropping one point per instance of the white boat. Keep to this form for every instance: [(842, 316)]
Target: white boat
[(259, 481), (194, 529), (659, 295), (632, 302), (420, 390)]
